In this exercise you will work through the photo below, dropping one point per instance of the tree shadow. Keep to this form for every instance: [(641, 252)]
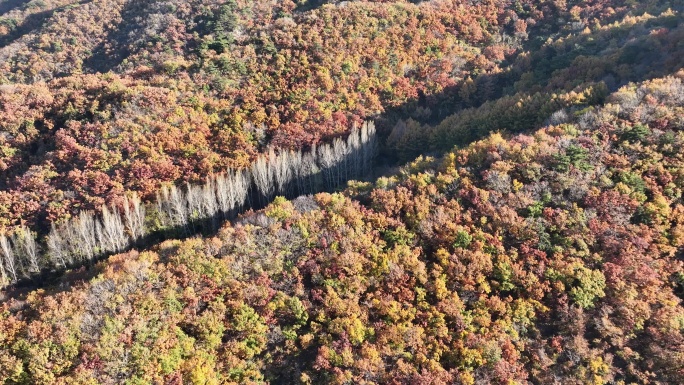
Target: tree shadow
[(9, 5), (115, 48), (311, 5), (33, 22), (30, 24), (614, 56)]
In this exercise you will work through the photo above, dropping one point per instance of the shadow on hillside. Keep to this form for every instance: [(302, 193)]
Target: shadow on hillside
[(115, 48), (545, 65), (9, 5), (311, 5), (615, 56), (679, 282), (33, 22), (30, 24)]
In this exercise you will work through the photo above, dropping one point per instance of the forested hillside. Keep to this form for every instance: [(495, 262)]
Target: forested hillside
[(195, 192), (552, 257), (102, 98)]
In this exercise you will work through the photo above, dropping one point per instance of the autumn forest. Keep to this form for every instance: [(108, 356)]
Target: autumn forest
[(341, 192)]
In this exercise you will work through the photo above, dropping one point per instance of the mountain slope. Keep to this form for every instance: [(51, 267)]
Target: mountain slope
[(552, 257), (194, 87)]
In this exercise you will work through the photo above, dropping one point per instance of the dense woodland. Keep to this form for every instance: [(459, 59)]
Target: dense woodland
[(103, 98), (187, 210), (552, 257), (522, 222)]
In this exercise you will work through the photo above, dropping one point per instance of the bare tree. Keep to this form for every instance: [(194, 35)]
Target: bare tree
[(10, 262), (85, 236), (85, 228), (58, 249), (209, 204), (102, 241), (26, 249), (354, 148), (161, 208), (194, 197), (224, 193), (242, 181), (298, 172), (341, 159), (326, 162), (283, 171), (4, 276), (72, 242), (369, 144), (209, 198), (172, 206), (262, 173), (134, 216), (231, 190), (112, 231), (309, 172), (179, 208)]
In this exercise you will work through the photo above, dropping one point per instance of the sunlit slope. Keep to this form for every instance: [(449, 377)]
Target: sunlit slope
[(553, 255)]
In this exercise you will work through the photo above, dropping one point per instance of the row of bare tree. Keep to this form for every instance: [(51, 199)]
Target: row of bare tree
[(180, 211)]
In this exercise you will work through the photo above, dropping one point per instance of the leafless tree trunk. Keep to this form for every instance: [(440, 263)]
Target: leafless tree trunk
[(341, 160), (4, 275), (111, 231), (134, 215), (72, 241), (310, 172), (194, 197), (27, 249), (162, 209), (179, 207), (283, 171), (326, 162), (9, 259), (232, 188), (354, 147), (368, 141), (209, 203), (224, 193), (84, 236), (242, 180), (58, 249), (298, 173), (262, 172), (173, 206)]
